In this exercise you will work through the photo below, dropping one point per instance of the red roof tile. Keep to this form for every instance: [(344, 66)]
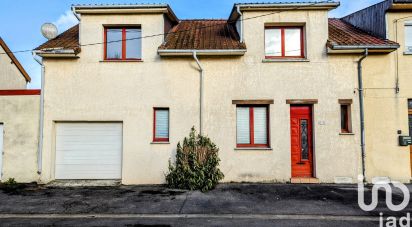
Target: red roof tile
[(66, 40), (344, 34), (203, 35)]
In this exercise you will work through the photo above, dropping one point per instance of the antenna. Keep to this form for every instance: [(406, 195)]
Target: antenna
[(49, 31)]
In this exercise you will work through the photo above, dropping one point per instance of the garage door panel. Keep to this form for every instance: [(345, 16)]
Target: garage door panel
[(88, 150)]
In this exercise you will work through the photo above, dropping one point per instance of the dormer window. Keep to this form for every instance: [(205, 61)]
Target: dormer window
[(284, 42), (123, 43)]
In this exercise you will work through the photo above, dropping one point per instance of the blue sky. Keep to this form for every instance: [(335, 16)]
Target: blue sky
[(21, 19)]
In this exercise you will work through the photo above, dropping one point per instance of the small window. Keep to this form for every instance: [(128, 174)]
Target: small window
[(345, 118), (408, 36), (123, 43), (252, 126), (284, 42), (161, 125)]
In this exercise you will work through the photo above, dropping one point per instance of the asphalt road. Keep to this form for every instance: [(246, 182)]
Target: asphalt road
[(228, 204)]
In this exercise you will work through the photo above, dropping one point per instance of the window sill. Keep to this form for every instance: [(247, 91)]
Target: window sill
[(407, 53), (160, 143), (271, 60), (253, 149), (347, 134), (121, 61)]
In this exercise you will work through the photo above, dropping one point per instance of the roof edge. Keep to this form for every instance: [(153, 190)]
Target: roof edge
[(325, 5), (15, 60), (206, 52), (121, 8)]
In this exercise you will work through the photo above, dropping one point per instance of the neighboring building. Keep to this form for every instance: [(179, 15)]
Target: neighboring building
[(388, 90), (12, 74), (19, 120), (274, 86)]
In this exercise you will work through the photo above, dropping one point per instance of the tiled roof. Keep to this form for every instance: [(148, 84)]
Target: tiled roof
[(344, 34), (220, 35), (66, 40), (203, 35), (14, 60)]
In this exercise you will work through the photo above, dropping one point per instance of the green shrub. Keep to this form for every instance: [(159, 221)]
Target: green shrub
[(196, 166), (10, 182)]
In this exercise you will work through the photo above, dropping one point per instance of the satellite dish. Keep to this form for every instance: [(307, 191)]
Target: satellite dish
[(49, 30)]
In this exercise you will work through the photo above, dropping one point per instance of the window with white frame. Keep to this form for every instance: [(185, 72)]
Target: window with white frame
[(408, 36)]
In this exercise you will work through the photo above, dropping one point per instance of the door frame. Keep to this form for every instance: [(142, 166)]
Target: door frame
[(311, 105)]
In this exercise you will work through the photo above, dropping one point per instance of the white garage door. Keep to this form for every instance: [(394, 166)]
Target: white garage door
[(88, 150)]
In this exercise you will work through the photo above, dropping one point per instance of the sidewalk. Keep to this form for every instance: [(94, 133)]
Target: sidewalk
[(227, 201)]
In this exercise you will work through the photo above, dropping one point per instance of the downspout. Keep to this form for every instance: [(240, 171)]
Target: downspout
[(362, 113), (200, 92), (75, 14), (241, 23), (41, 120)]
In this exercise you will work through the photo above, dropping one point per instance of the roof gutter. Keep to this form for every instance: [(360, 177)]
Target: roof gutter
[(74, 13), (56, 52), (180, 52), (363, 47), (309, 5)]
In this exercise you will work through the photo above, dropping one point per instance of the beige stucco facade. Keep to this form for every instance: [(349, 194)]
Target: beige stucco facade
[(10, 76), (89, 89), (386, 110), (19, 116)]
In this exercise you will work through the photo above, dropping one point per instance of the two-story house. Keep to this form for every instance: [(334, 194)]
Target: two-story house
[(275, 86), (19, 120), (388, 90)]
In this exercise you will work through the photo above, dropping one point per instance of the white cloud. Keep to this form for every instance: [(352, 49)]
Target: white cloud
[(66, 21)]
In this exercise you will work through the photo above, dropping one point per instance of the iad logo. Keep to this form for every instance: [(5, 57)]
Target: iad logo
[(388, 190)]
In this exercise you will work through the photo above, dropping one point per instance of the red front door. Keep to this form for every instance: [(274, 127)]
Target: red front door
[(301, 141)]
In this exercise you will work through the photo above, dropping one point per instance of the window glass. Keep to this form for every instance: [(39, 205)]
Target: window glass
[(410, 104), (273, 42), (292, 42), (114, 43), (133, 43), (408, 37), (162, 124), (344, 118), (260, 125), (243, 125)]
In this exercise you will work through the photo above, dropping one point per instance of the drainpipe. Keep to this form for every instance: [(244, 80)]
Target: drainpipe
[(200, 92), (241, 23), (41, 120), (362, 113), (75, 14)]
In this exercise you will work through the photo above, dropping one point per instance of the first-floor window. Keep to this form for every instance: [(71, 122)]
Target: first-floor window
[(345, 123), (161, 125), (252, 126)]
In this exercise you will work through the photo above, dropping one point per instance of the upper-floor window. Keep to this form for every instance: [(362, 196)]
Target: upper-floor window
[(408, 36), (123, 43), (284, 42)]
